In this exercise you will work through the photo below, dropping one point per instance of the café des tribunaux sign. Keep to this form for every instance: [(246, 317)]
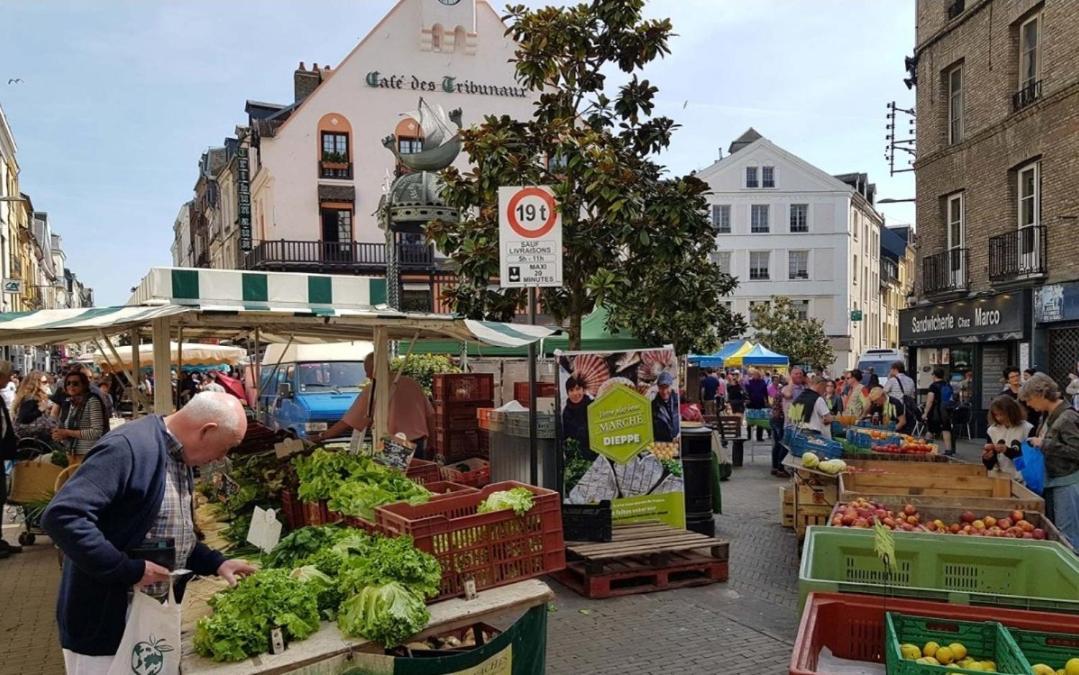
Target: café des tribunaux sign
[(448, 84), (1005, 316)]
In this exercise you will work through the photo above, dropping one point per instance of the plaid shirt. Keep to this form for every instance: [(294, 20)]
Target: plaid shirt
[(175, 520)]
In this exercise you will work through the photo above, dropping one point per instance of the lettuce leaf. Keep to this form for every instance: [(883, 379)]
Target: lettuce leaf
[(392, 559), (519, 499), (388, 614)]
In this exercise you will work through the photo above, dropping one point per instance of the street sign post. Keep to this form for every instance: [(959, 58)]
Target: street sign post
[(529, 237)]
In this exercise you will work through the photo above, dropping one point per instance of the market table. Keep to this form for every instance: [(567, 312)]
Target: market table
[(328, 651)]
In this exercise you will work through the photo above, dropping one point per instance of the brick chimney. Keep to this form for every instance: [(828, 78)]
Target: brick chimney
[(305, 81)]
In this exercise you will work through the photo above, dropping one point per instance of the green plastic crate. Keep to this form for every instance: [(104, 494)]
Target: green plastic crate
[(984, 640), (1052, 649), (961, 570)]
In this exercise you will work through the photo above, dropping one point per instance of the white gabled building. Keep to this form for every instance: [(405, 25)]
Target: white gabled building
[(785, 227)]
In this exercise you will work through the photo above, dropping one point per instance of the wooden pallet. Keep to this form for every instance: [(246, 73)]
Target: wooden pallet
[(644, 558)]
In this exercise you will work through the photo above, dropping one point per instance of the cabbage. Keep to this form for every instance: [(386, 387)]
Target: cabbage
[(388, 614), (810, 460), (519, 499)]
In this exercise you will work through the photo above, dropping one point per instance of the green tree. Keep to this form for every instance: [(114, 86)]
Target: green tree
[(635, 239), (778, 327)]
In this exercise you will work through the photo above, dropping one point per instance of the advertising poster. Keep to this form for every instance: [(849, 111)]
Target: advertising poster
[(620, 428)]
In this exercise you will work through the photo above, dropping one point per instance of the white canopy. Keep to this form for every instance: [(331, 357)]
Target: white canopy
[(192, 354)]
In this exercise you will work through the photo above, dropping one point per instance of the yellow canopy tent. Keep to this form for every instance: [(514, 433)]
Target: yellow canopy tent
[(735, 359)]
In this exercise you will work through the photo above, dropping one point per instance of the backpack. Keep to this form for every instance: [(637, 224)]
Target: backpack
[(910, 405), (947, 397)]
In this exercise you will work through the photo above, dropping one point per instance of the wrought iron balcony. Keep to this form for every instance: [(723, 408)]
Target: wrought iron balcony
[(945, 272), (351, 257), (1027, 95), (1018, 255)]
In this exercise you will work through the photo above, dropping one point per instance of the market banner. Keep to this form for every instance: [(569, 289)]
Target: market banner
[(619, 433)]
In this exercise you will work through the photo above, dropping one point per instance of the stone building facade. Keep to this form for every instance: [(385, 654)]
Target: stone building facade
[(997, 174)]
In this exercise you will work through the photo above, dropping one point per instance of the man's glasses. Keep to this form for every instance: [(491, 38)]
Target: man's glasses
[(72, 383)]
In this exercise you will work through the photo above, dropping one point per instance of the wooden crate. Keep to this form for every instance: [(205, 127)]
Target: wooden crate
[(919, 468), (808, 515), (786, 505), (970, 492)]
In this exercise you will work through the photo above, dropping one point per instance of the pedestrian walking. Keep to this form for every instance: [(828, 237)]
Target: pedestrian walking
[(1058, 439), (938, 416), (82, 416), (1008, 428), (8, 449), (757, 396), (777, 421), (736, 395)]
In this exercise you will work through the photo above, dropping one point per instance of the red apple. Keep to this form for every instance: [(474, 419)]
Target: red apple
[(1004, 523), (861, 522), (1026, 525), (837, 521), (954, 528), (848, 519), (1017, 515), (1028, 535), (1038, 533), (968, 517), (910, 509)]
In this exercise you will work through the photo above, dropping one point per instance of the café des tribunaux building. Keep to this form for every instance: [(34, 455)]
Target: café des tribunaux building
[(981, 334)]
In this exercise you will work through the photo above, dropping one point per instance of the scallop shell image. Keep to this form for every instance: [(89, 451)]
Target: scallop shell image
[(591, 371), (654, 362), (614, 381)]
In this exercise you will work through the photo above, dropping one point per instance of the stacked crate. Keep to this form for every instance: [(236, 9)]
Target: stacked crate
[(457, 398)]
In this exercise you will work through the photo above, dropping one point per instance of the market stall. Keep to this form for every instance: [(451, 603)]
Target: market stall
[(762, 357), (717, 359)]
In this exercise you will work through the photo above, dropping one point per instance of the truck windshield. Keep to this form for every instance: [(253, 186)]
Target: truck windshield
[(332, 375)]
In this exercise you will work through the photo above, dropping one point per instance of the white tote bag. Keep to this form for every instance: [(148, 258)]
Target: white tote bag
[(151, 642)]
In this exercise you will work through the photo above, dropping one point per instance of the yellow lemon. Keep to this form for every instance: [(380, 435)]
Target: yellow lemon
[(989, 666), (928, 661), (1072, 667), (965, 662), (930, 648), (958, 650), (945, 656), (973, 665), (1042, 669), (910, 651)]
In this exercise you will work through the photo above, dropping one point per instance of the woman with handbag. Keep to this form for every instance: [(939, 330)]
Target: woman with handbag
[(82, 417)]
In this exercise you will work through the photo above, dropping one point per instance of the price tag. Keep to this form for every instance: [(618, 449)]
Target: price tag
[(265, 529), (396, 452), (277, 641)]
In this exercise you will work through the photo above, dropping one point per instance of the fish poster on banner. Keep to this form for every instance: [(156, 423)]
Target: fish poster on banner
[(619, 433)]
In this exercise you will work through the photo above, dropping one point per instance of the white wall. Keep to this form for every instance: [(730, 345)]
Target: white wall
[(285, 191)]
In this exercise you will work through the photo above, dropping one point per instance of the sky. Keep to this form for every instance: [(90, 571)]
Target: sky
[(119, 98)]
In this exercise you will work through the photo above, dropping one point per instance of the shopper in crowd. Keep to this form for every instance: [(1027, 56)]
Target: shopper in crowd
[(757, 395), (1007, 429), (843, 385), (938, 416), (411, 412), (899, 384), (1058, 438), (82, 416), (887, 408), (791, 391), (1073, 389), (777, 421), (966, 387), (858, 399), (666, 416), (132, 493), (8, 448), (736, 394), (834, 400), (709, 386), (31, 407), (575, 416), (811, 409), (7, 392), (1029, 373), (1013, 380)]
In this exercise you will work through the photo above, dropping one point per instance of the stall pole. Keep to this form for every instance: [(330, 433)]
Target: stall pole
[(136, 375), (381, 392), (533, 450), (179, 361), (162, 335), (258, 371)]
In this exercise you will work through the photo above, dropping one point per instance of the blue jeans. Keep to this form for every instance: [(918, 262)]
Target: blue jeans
[(1066, 510)]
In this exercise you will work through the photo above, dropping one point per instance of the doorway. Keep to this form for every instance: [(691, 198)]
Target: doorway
[(336, 235)]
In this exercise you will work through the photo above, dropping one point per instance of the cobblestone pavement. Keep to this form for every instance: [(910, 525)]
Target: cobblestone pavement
[(28, 580), (746, 625)]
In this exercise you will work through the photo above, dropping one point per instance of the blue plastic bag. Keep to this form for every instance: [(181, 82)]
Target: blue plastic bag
[(1032, 466)]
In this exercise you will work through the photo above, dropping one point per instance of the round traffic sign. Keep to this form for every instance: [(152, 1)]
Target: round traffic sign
[(528, 206)]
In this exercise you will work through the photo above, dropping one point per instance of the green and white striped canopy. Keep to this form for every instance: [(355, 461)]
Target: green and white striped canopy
[(232, 304)]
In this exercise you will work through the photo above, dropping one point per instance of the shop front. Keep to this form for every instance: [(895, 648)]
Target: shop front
[(982, 336), (1056, 337)]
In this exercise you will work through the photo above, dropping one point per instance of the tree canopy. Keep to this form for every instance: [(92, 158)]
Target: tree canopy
[(779, 327), (635, 239)]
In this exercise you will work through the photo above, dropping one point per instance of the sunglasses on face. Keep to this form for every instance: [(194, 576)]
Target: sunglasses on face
[(72, 383)]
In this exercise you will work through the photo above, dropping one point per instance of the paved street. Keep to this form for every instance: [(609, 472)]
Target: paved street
[(745, 625)]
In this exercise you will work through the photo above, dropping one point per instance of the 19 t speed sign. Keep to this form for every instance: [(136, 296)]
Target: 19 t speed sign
[(529, 237)]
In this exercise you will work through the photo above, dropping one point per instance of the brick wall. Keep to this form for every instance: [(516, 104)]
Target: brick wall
[(997, 140)]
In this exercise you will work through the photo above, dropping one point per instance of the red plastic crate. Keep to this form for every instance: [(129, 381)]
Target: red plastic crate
[(317, 513), (292, 509), (461, 387), (440, 489), (543, 390), (483, 417), (456, 445), (478, 474), (423, 471), (852, 626), (494, 549), (456, 416)]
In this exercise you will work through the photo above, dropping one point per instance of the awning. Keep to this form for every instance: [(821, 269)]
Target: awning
[(716, 360), (735, 359), (76, 325), (762, 356), (193, 354)]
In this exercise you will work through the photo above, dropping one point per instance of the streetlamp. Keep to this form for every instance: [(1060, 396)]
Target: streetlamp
[(889, 200)]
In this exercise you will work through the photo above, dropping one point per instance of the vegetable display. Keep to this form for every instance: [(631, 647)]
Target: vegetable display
[(244, 615), (389, 614), (353, 485), (519, 499)]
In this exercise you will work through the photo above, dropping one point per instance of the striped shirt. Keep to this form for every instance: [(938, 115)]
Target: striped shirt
[(89, 420), (175, 520)]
